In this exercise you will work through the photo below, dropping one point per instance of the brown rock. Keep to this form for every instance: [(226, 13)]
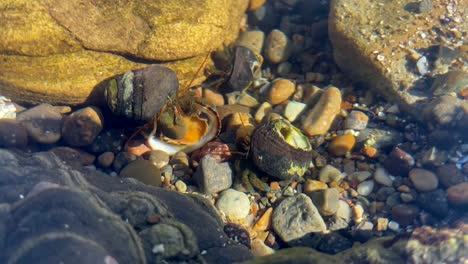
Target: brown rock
[(312, 186), (63, 52), (71, 155), (106, 159), (404, 214), (82, 126), (423, 180), (449, 175), (278, 47), (398, 162), (144, 171), (42, 122), (281, 90), (213, 98), (458, 194), (342, 144), (321, 116)]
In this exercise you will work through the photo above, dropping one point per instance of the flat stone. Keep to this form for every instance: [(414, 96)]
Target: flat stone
[(296, 217), (277, 47), (234, 204), (262, 111), (213, 176), (326, 201), (319, 119), (74, 156), (82, 126), (449, 175), (293, 109), (43, 123), (312, 186), (423, 180), (12, 134), (380, 139), (404, 214), (458, 194)]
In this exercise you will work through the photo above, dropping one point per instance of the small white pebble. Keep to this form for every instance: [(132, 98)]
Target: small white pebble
[(203, 252), (21, 196), (394, 226), (365, 188)]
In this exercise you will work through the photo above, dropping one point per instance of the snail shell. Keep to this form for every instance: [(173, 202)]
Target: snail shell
[(140, 94), (280, 149)]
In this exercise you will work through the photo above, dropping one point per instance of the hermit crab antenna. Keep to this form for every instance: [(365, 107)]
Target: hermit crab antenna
[(198, 71)]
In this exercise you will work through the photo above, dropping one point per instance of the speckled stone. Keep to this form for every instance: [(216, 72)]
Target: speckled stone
[(158, 157), (423, 180), (280, 91), (277, 47), (326, 201), (42, 122), (295, 217), (82, 126), (234, 204), (212, 176), (319, 119)]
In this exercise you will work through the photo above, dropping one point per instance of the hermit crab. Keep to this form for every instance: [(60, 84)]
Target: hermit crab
[(177, 121)]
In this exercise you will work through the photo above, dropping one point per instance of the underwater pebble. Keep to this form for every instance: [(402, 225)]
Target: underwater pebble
[(326, 201), (234, 204), (434, 202), (42, 122), (330, 174), (264, 222), (213, 98), (344, 211), (382, 224), (358, 213), (109, 140), (12, 134), (365, 188), (458, 194), (264, 108), (121, 160), (423, 180), (181, 186), (105, 159), (394, 226), (284, 69), (449, 175), (356, 120), (7, 108), (82, 126), (74, 156), (158, 157), (280, 91), (247, 100), (319, 119), (252, 40), (381, 176), (404, 214), (277, 47), (342, 144), (295, 217), (398, 162), (293, 109), (312, 186), (213, 176)]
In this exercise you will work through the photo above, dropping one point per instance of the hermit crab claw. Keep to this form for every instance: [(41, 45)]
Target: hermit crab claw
[(179, 131)]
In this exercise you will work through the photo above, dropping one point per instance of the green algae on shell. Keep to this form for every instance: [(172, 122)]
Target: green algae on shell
[(281, 150)]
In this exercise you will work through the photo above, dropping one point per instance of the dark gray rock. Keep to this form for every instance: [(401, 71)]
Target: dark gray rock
[(50, 212), (213, 176)]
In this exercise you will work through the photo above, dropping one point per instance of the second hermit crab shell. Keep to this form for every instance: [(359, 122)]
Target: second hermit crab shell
[(281, 150), (140, 94)]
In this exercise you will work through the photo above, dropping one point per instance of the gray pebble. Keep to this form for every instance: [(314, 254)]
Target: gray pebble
[(43, 123), (12, 134), (234, 204), (212, 176), (326, 201)]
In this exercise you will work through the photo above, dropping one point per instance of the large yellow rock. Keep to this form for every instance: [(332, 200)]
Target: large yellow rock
[(59, 51)]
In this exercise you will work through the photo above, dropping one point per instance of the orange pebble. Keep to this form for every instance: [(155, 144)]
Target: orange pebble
[(344, 185), (464, 93), (345, 105), (274, 186), (334, 184), (264, 222), (254, 209), (370, 152), (342, 144), (293, 184), (137, 148)]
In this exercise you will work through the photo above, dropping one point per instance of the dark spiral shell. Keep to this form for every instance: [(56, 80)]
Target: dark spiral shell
[(140, 94), (272, 153)]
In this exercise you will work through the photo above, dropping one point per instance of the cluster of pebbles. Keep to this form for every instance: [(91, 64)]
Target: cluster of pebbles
[(374, 172)]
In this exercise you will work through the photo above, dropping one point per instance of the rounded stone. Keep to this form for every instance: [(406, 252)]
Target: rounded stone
[(330, 174), (42, 122), (404, 214), (365, 188), (280, 91), (252, 40), (423, 180), (356, 120), (458, 194), (278, 47), (82, 126), (381, 176), (234, 204), (398, 162), (144, 171), (342, 144), (105, 159), (449, 175), (319, 119), (158, 157)]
